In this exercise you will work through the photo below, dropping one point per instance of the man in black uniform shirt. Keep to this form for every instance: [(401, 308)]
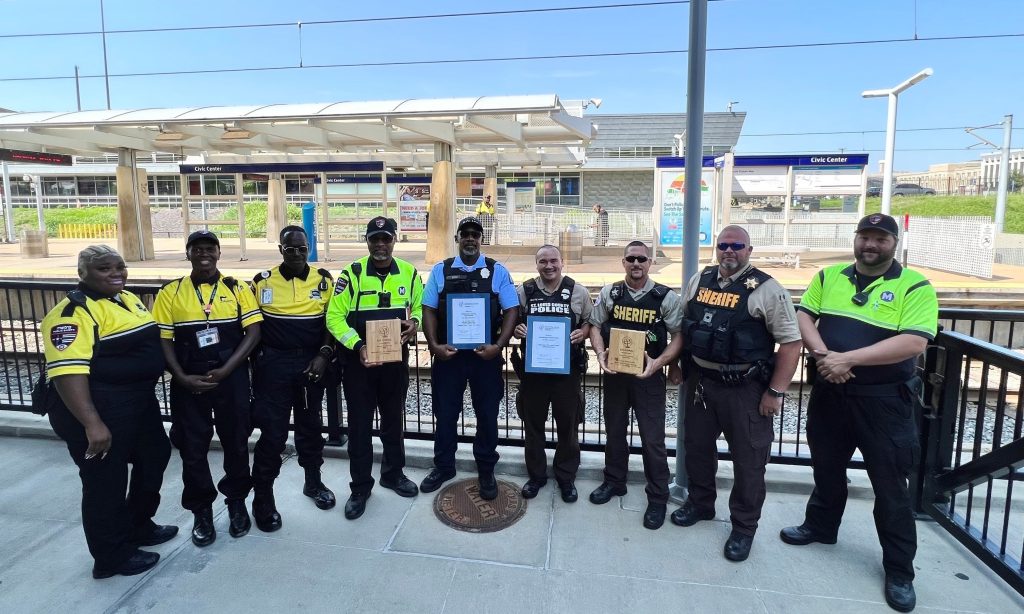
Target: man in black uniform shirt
[(288, 374)]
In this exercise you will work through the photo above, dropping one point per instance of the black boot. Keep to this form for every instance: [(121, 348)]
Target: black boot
[(203, 532), (314, 488), (264, 510)]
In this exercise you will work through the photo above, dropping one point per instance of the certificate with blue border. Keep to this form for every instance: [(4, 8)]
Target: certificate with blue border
[(469, 320), (547, 344)]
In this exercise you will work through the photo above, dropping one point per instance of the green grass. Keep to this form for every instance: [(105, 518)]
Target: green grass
[(947, 206), (27, 218)]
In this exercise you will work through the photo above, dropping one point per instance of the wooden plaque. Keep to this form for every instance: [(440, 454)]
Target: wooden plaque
[(384, 340), (626, 351)]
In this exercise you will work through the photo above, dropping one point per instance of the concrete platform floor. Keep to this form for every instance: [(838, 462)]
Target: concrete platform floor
[(399, 558)]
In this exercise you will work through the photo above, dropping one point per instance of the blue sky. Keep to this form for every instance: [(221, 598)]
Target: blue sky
[(782, 90)]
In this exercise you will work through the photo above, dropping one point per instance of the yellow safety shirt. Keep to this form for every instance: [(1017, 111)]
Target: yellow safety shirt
[(293, 307), (112, 340)]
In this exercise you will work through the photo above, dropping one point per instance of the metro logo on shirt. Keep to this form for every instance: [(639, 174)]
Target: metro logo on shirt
[(63, 335)]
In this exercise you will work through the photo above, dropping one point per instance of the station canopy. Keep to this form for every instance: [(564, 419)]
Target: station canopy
[(523, 131)]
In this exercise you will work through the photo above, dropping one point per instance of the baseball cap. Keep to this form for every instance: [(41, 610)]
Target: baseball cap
[(880, 221), (466, 222), (381, 225), (202, 235)]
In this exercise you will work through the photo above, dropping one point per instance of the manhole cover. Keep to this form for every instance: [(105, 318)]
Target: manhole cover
[(459, 506)]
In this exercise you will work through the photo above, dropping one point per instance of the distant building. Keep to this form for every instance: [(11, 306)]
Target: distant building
[(990, 167), (947, 178)]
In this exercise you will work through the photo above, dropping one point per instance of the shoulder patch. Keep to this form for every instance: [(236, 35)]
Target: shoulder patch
[(265, 274), (341, 284), (63, 335)]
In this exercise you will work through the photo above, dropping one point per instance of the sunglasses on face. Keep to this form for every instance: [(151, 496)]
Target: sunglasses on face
[(295, 251), (469, 234), (632, 259), (383, 238), (735, 246)]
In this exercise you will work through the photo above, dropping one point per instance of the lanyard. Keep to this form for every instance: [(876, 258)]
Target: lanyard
[(207, 306)]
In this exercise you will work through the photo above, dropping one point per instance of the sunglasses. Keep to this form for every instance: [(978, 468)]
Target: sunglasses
[(632, 259), (382, 237), (735, 246), (469, 234), (295, 251)]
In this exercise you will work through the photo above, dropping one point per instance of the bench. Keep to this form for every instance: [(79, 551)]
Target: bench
[(788, 255)]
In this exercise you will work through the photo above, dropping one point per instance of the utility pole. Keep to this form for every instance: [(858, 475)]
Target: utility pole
[(1004, 173), (106, 72)]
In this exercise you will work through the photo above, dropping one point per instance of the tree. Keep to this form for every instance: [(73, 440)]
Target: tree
[(1016, 181)]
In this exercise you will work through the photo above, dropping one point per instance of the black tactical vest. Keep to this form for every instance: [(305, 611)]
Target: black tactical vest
[(556, 305), (719, 327), (459, 281), (638, 314)]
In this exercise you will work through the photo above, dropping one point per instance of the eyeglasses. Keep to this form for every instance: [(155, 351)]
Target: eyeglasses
[(469, 234), (735, 246), (382, 237), (295, 251), (632, 259)]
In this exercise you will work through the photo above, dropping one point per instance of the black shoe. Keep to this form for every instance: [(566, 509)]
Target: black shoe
[(737, 547), (532, 487), (801, 536), (569, 494), (654, 517), (899, 594), (203, 533), (604, 493), (264, 511), (435, 478), (403, 486), (239, 518), (689, 515), (139, 562), (159, 534), (488, 487), (356, 505), (314, 488)]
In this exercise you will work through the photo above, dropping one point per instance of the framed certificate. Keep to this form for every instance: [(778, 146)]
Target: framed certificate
[(547, 345), (469, 320)]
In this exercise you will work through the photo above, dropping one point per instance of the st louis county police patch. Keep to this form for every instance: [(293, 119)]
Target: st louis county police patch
[(565, 294), (63, 335), (887, 296)]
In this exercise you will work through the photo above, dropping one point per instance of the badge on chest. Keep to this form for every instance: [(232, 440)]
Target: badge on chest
[(266, 296), (207, 337)]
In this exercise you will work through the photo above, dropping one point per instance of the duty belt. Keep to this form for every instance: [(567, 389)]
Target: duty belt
[(728, 375)]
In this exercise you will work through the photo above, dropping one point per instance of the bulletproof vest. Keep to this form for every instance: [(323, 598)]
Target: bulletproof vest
[(638, 314), (458, 281), (720, 328), (557, 305)]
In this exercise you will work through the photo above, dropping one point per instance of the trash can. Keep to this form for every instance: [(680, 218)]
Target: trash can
[(570, 243), (34, 244)]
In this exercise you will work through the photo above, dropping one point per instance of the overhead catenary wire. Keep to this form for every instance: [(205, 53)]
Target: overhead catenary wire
[(379, 64)]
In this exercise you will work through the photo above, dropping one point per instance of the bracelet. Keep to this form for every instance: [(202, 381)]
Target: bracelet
[(326, 351), (776, 393)]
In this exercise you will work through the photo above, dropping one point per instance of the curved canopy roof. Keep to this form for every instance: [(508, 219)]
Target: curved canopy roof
[(509, 130)]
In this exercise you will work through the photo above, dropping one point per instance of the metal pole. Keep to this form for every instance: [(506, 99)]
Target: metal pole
[(1004, 173), (39, 201), (106, 72), (696, 57), (78, 90), (890, 152), (8, 203)]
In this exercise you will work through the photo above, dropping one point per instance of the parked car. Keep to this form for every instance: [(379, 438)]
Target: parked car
[(874, 190), (911, 189)]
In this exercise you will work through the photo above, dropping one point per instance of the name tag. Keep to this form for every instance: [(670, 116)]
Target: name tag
[(207, 337), (267, 296)]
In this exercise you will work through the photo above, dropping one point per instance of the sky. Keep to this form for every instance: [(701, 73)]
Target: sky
[(783, 91)]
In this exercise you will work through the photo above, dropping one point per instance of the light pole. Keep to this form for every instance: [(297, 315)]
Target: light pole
[(890, 130)]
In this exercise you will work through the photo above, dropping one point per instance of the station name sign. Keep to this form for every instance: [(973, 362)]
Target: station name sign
[(282, 167), (34, 157)]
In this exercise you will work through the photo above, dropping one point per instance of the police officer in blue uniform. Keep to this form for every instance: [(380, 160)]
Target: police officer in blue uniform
[(469, 272)]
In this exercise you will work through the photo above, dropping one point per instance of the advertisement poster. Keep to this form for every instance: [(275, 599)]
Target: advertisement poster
[(672, 190), (826, 180), (412, 207)]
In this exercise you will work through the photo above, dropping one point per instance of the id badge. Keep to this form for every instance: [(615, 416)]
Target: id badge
[(207, 337), (266, 296)]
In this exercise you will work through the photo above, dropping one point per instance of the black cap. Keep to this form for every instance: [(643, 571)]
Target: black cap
[(880, 221), (466, 222), (381, 225), (202, 235)]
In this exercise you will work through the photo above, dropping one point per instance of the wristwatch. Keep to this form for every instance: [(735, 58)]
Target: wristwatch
[(326, 351), (775, 393)]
